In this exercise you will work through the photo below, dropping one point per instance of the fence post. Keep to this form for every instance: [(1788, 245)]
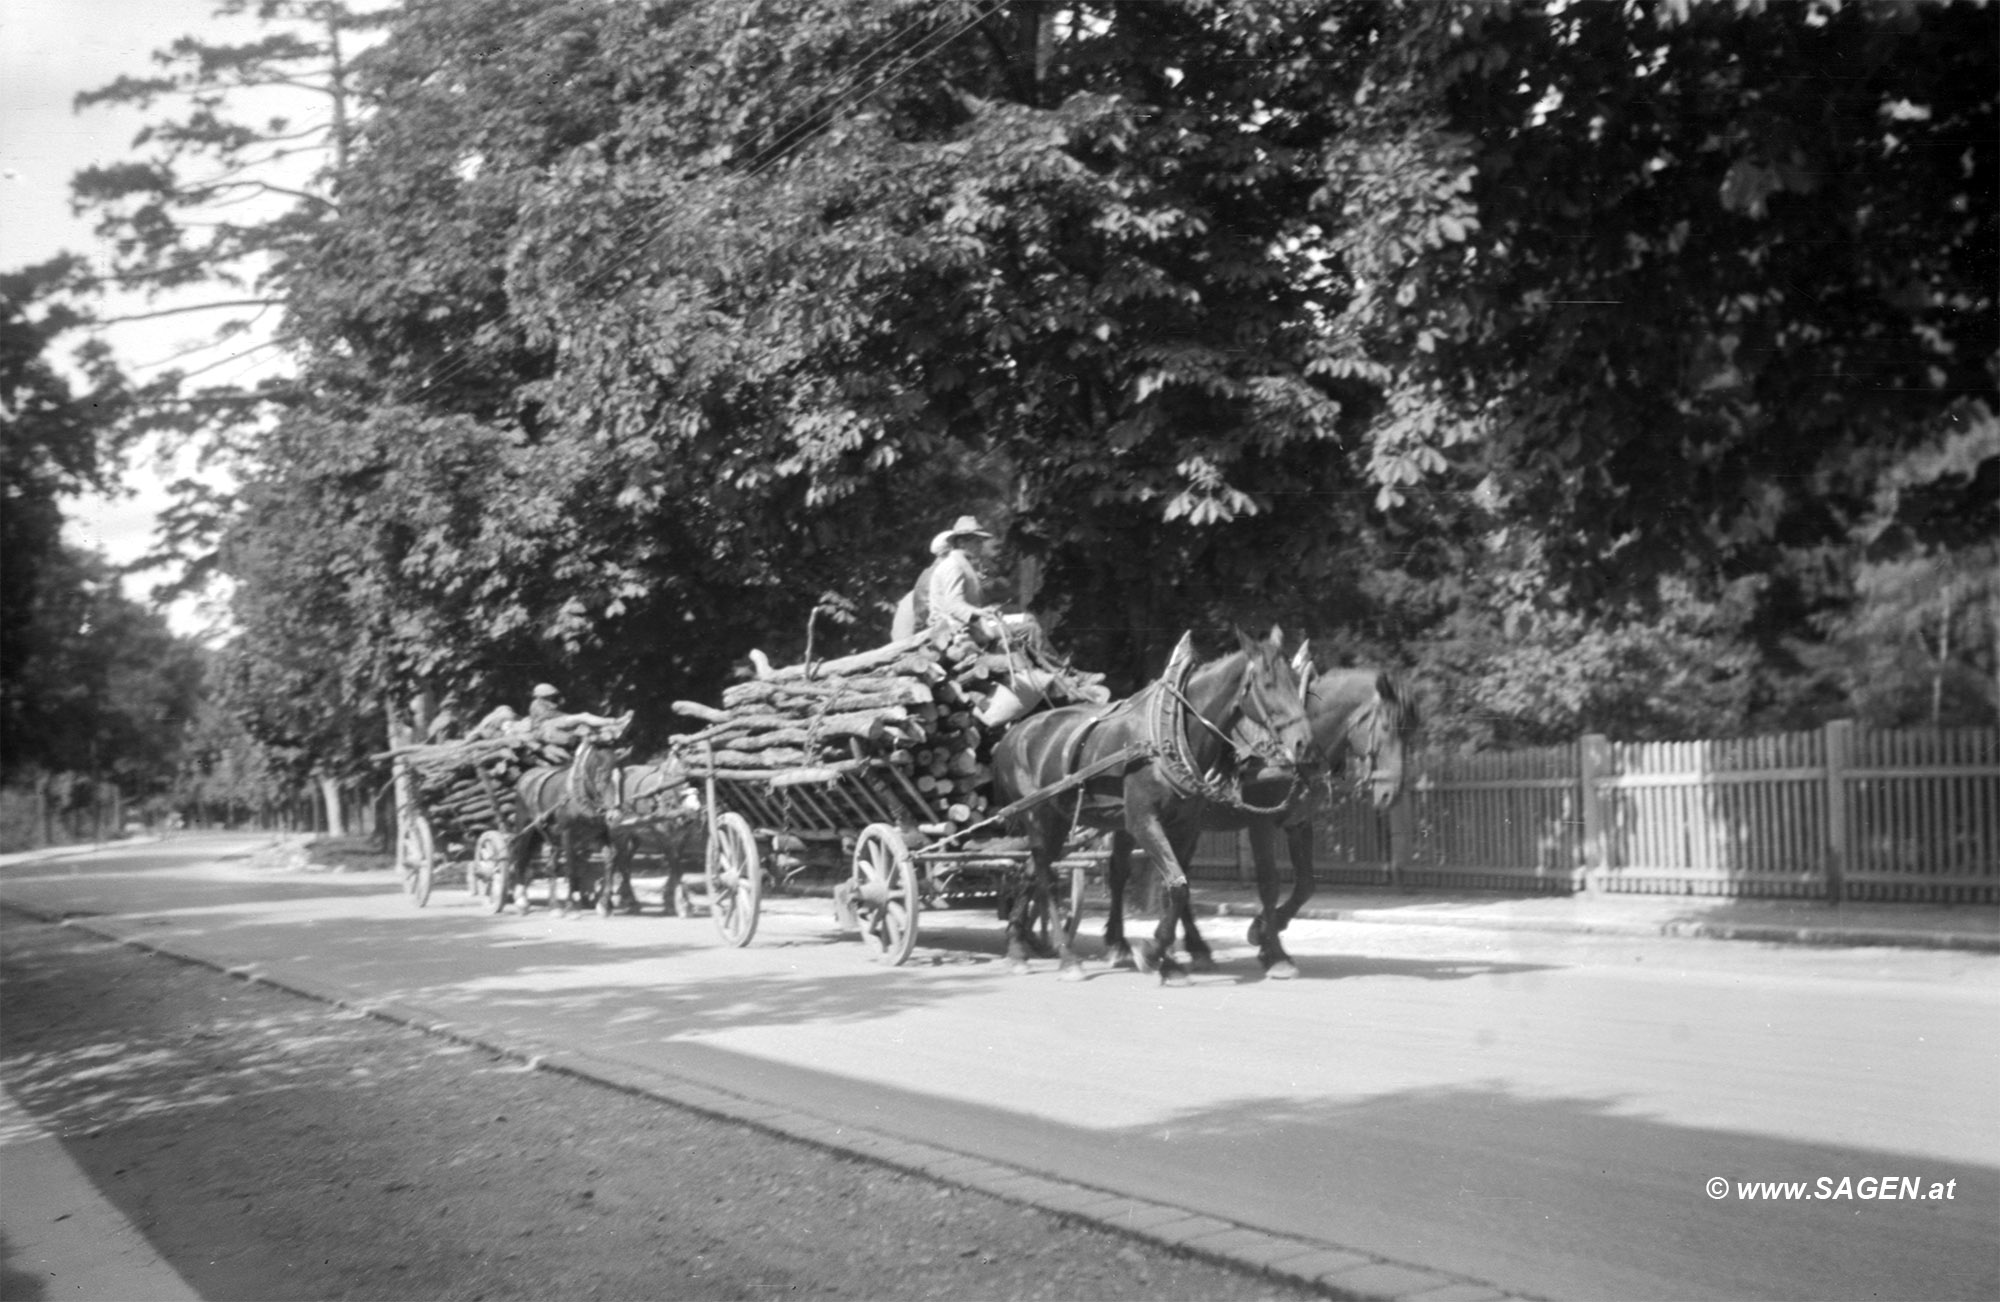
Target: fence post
[(1838, 736), (1593, 761), (1402, 839)]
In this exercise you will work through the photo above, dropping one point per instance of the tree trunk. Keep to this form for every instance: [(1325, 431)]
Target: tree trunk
[(329, 790)]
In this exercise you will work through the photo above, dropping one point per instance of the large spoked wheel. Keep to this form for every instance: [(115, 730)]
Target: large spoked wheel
[(416, 851), (503, 882), (884, 892), (735, 879), (489, 863)]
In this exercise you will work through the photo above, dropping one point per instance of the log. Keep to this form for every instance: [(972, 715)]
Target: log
[(696, 710), (875, 659), (818, 774), (800, 694)]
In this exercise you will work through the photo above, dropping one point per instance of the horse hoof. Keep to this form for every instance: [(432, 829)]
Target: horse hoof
[(1123, 961), (1071, 971), (1282, 970), (1204, 963), (1144, 960), (1018, 967), (1173, 976)]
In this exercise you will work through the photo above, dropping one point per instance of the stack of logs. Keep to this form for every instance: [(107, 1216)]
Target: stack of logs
[(900, 723), (470, 783)]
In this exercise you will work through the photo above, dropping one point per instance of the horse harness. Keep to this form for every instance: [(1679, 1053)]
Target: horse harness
[(571, 801), (1163, 700)]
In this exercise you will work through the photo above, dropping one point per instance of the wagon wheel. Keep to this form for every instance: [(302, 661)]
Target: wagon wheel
[(884, 890), (735, 879), (416, 852), (489, 863)]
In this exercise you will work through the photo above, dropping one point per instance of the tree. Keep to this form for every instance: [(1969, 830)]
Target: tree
[(232, 181), (639, 327), (1690, 274), (57, 443)]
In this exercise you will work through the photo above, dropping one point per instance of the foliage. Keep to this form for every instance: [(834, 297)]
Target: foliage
[(1691, 274), (57, 443), (1590, 363), (232, 177), (107, 688)]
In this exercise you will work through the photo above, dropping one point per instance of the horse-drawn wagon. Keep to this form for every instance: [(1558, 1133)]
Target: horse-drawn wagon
[(504, 810), (461, 810), (873, 769)]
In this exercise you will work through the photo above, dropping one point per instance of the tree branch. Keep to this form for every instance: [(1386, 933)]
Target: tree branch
[(197, 307)]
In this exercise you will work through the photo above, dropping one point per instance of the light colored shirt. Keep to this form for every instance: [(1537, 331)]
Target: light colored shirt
[(956, 594)]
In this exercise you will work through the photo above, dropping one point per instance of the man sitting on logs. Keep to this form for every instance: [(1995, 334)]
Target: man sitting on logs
[(547, 719), (914, 610), (955, 596)]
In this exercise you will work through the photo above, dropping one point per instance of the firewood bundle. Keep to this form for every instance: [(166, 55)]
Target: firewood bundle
[(908, 728), (470, 783)]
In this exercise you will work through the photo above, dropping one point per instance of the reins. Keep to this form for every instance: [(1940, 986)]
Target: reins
[(1180, 773)]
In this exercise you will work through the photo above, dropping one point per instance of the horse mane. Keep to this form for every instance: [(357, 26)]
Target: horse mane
[(594, 780), (1399, 709)]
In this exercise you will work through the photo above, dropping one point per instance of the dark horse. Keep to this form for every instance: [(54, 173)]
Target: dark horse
[(1163, 754), (572, 808), (1358, 714), (655, 801)]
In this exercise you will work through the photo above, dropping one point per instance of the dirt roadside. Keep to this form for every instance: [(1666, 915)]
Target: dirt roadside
[(271, 1147)]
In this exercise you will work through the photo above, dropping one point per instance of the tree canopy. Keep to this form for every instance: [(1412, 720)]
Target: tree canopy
[(1589, 362)]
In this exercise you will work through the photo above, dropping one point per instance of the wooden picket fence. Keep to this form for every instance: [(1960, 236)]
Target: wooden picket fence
[(1839, 812)]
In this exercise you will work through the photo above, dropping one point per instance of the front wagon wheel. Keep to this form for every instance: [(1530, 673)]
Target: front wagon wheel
[(735, 879), (885, 893)]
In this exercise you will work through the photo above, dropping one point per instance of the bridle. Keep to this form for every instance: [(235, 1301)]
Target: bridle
[(1167, 734), (1381, 717)]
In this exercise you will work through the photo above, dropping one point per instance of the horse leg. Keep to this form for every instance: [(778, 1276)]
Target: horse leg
[(1151, 834), (625, 849), (1068, 966), (526, 846), (1200, 956), (1299, 842), (608, 883), (1021, 920), (1116, 873), (1264, 928)]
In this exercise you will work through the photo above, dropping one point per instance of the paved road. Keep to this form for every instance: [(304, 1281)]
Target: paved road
[(1539, 1111)]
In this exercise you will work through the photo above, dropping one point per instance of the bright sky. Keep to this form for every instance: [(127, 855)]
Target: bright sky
[(49, 51)]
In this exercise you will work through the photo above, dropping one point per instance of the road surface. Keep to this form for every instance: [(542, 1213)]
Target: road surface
[(1542, 1112)]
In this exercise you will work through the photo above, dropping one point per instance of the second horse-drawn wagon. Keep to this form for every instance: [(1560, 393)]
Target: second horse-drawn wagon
[(873, 771), (459, 810), (503, 810)]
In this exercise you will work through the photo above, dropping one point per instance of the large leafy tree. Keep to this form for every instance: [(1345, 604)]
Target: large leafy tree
[(1536, 343), (58, 443), (1695, 275)]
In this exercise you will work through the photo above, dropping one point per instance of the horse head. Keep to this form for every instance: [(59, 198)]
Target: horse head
[(596, 784), (1272, 703), (1364, 714)]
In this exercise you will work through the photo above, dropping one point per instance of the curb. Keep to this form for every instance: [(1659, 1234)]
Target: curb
[(1768, 932), (48, 852), (1333, 1271)]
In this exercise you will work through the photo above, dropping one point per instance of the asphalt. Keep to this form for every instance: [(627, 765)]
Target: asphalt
[(59, 1229)]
